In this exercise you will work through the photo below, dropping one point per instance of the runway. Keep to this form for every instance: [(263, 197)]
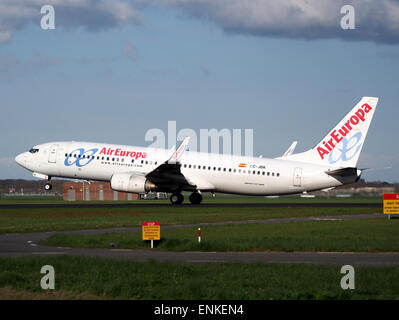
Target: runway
[(28, 245), (203, 205)]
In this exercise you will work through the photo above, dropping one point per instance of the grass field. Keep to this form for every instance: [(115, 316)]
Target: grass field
[(371, 235), (95, 278), (92, 278), (57, 219), (220, 198)]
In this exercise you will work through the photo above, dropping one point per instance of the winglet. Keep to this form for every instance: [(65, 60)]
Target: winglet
[(179, 151), (290, 149)]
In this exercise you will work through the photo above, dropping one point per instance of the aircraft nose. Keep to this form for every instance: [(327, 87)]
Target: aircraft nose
[(21, 159)]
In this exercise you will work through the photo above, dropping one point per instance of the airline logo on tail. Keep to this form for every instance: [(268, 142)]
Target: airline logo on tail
[(337, 136)]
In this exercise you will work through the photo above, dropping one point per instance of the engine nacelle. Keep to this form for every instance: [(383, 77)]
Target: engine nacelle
[(128, 182)]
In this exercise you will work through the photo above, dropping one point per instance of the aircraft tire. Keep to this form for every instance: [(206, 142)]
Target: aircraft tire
[(176, 198), (195, 198)]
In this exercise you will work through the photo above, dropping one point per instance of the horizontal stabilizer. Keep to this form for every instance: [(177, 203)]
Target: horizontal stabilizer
[(343, 172)]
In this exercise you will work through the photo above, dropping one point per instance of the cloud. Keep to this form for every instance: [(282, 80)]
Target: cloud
[(375, 20), (93, 14)]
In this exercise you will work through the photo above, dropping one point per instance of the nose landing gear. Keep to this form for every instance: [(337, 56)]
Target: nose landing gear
[(48, 186)]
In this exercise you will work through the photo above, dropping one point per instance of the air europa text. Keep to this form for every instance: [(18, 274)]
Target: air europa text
[(123, 153), (337, 136)]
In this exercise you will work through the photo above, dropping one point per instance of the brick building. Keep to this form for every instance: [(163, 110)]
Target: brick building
[(74, 191)]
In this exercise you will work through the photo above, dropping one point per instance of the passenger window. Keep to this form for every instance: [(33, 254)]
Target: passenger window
[(263, 173), (185, 166), (273, 174), (278, 174), (258, 172)]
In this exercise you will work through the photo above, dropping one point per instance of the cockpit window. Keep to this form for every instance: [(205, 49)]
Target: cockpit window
[(33, 150)]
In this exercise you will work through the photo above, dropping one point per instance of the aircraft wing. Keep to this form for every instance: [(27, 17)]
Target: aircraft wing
[(168, 175)]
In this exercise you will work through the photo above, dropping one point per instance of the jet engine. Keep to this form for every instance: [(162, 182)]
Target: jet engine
[(128, 182)]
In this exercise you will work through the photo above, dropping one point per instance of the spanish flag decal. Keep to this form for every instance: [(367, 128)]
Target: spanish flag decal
[(242, 165)]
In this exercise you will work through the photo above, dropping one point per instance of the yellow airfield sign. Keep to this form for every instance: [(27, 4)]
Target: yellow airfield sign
[(391, 203), (151, 231)]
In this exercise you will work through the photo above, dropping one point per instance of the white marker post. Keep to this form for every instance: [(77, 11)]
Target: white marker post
[(199, 235)]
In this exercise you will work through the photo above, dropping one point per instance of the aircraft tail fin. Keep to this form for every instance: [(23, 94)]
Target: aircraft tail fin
[(342, 145)]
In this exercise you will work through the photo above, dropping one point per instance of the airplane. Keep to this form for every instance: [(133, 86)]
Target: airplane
[(330, 163)]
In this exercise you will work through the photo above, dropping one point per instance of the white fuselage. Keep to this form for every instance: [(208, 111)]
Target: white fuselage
[(208, 172)]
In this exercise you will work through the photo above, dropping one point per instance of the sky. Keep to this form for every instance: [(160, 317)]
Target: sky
[(112, 70)]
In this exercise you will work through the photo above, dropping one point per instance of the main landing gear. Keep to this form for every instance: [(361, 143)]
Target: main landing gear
[(195, 198), (178, 198)]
